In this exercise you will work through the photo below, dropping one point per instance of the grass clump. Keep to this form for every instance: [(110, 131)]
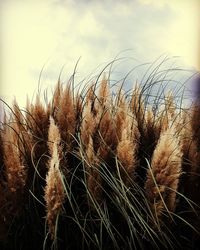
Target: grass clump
[(93, 170)]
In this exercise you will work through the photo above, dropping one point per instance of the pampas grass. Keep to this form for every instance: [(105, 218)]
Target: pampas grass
[(163, 174), (127, 148), (93, 170), (54, 190)]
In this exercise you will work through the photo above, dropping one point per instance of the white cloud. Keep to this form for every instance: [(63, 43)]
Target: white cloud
[(59, 32)]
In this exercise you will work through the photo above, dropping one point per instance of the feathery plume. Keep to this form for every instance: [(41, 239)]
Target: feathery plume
[(88, 123), (105, 142), (194, 156), (104, 92), (170, 106), (66, 117), (15, 171), (53, 135), (15, 175), (120, 113), (58, 92), (127, 149), (54, 191), (18, 117), (137, 105), (163, 175), (37, 119), (195, 123), (88, 129), (25, 143)]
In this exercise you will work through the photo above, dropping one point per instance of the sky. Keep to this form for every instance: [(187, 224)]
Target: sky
[(52, 34)]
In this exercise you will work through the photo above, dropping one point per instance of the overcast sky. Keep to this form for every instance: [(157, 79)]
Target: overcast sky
[(54, 33)]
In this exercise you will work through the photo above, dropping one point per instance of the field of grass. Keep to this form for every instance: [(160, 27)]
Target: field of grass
[(93, 170)]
